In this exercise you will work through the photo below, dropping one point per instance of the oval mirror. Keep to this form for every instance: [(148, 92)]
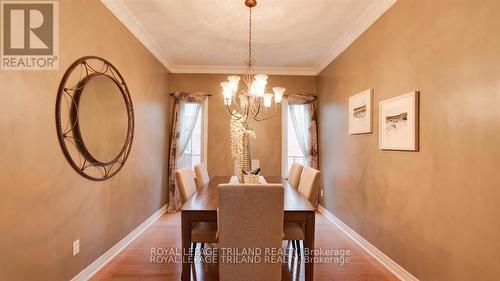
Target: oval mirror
[(103, 118)]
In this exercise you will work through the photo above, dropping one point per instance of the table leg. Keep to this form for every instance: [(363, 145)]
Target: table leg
[(309, 244), (186, 243)]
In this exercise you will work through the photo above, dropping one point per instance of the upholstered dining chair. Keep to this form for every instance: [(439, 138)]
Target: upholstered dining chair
[(202, 177), (309, 184), (250, 217), (185, 181), (294, 175), (308, 187), (201, 232)]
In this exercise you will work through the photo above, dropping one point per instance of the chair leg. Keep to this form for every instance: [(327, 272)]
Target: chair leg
[(294, 247), (298, 248), (202, 246), (192, 247)]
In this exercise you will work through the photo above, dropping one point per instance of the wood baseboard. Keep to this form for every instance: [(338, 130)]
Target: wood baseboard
[(387, 262), (94, 267)]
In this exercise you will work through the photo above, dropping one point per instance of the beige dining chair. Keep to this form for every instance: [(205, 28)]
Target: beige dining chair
[(202, 177), (185, 181), (201, 232), (294, 175), (250, 217), (308, 187), (309, 184)]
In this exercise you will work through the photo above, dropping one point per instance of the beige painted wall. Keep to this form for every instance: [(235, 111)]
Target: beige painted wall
[(435, 212), (266, 146), (45, 204)]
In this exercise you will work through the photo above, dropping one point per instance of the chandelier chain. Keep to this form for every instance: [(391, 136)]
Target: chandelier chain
[(250, 38)]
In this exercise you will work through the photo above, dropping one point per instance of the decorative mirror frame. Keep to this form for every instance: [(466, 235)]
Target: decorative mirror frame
[(72, 135)]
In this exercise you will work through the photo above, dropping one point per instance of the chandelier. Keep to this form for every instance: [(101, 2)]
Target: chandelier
[(252, 100)]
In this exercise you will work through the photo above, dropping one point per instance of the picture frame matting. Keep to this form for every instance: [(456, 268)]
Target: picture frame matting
[(399, 123)]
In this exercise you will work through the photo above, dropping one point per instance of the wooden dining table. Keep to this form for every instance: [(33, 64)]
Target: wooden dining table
[(202, 207)]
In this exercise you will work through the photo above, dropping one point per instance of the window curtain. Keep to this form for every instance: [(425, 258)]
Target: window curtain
[(305, 123), (299, 114), (186, 109), (188, 115)]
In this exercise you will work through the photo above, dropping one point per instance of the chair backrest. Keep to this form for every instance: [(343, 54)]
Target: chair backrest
[(202, 177), (250, 217), (185, 182), (294, 175), (309, 184)]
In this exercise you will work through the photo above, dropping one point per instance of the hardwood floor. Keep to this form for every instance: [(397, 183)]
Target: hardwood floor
[(133, 263)]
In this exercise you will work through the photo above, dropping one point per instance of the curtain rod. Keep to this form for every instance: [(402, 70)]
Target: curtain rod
[(196, 93)]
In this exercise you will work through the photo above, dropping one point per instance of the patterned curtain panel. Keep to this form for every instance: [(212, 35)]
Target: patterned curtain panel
[(174, 203), (312, 146), (313, 155)]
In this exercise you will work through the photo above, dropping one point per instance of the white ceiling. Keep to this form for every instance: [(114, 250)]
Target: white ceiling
[(294, 37)]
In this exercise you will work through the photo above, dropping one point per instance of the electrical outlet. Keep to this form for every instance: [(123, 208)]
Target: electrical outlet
[(76, 247), (321, 193)]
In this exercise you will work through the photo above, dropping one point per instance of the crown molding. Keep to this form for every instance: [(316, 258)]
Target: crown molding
[(207, 69), (120, 10), (371, 14)]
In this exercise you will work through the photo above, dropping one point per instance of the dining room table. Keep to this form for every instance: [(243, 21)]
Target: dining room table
[(203, 206)]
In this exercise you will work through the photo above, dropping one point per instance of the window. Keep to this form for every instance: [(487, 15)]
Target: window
[(193, 122), (295, 135)]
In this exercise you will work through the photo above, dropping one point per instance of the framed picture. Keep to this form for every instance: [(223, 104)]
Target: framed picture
[(360, 113), (399, 123)]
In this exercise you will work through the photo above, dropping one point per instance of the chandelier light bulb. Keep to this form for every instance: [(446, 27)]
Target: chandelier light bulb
[(259, 87), (253, 91), (234, 80), (227, 89), (243, 101), (261, 77), (268, 97), (278, 94)]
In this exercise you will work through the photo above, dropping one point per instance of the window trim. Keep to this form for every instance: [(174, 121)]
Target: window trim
[(284, 138), (204, 128)]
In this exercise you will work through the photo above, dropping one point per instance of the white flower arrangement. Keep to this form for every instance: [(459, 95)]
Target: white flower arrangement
[(238, 131)]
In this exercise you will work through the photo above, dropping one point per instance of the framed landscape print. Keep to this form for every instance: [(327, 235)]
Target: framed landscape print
[(399, 123), (360, 113)]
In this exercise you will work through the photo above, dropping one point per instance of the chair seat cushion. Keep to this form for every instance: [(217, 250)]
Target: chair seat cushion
[(293, 231), (204, 232)]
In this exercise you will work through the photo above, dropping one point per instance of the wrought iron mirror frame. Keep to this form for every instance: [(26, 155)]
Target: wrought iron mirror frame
[(72, 135)]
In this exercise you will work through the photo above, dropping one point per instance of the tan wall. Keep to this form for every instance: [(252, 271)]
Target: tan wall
[(266, 146), (44, 203), (436, 211)]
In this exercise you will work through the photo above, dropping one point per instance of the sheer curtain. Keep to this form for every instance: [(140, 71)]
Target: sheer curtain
[(189, 112), (300, 116)]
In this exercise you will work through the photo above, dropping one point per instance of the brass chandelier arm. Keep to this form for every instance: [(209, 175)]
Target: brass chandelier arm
[(264, 118), (233, 115)]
